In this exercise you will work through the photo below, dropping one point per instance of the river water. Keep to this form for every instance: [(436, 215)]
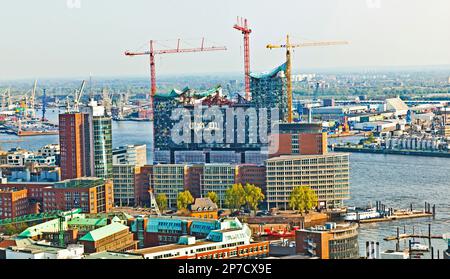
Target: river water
[(395, 180)]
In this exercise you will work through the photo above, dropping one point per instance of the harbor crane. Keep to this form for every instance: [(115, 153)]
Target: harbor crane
[(242, 26), (289, 47), (152, 53), (32, 100), (77, 99)]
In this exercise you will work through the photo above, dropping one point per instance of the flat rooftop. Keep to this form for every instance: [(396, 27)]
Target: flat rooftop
[(170, 247), (294, 157), (82, 182), (113, 256)]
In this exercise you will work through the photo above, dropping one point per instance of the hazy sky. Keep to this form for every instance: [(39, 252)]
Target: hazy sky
[(47, 38)]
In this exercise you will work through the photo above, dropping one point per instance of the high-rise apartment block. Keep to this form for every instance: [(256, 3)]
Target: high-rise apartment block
[(86, 143)]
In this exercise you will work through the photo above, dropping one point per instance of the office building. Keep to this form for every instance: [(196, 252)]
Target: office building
[(124, 181), (169, 180), (86, 143), (102, 138), (91, 194), (130, 155), (298, 138), (331, 241), (217, 178), (73, 145), (327, 175), (142, 185)]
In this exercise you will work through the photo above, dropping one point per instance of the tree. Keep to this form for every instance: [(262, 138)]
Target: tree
[(253, 196), (213, 196), (184, 199), (161, 200), (235, 196), (303, 198)]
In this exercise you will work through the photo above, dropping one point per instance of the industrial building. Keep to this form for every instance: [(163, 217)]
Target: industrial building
[(327, 175), (332, 241)]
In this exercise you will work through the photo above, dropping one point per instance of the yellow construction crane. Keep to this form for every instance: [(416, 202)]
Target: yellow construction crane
[(288, 46)]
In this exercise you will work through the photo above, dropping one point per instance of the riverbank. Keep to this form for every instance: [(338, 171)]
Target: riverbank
[(391, 151)]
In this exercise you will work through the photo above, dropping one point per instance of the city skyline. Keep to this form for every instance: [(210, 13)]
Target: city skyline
[(410, 33)]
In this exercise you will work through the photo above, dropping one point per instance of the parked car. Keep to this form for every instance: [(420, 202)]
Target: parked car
[(236, 213), (263, 213)]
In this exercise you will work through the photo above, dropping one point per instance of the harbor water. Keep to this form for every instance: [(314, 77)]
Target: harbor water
[(395, 180)]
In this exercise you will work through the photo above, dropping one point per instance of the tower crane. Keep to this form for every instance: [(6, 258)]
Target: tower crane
[(152, 52), (242, 26), (288, 46), (78, 94)]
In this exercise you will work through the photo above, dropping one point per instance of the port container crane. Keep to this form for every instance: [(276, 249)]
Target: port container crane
[(32, 99), (289, 47), (44, 104), (242, 26)]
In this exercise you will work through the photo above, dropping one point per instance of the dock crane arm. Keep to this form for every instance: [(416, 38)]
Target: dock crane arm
[(78, 95)]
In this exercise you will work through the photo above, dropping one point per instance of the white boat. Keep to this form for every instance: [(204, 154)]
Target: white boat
[(370, 213), (419, 247)]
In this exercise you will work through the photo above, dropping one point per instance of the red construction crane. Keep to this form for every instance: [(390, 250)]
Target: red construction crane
[(152, 52), (242, 26)]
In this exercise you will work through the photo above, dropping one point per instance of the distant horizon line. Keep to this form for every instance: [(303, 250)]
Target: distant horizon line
[(307, 70)]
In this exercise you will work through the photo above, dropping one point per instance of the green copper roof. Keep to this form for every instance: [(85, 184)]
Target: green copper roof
[(88, 221), (270, 74), (103, 232), (176, 93)]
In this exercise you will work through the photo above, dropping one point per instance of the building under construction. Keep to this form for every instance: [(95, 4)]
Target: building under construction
[(268, 92)]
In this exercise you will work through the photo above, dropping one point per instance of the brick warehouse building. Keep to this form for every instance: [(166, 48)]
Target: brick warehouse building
[(13, 203), (92, 195)]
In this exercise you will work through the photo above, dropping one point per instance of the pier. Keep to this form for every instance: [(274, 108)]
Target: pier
[(390, 151), (397, 216)]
